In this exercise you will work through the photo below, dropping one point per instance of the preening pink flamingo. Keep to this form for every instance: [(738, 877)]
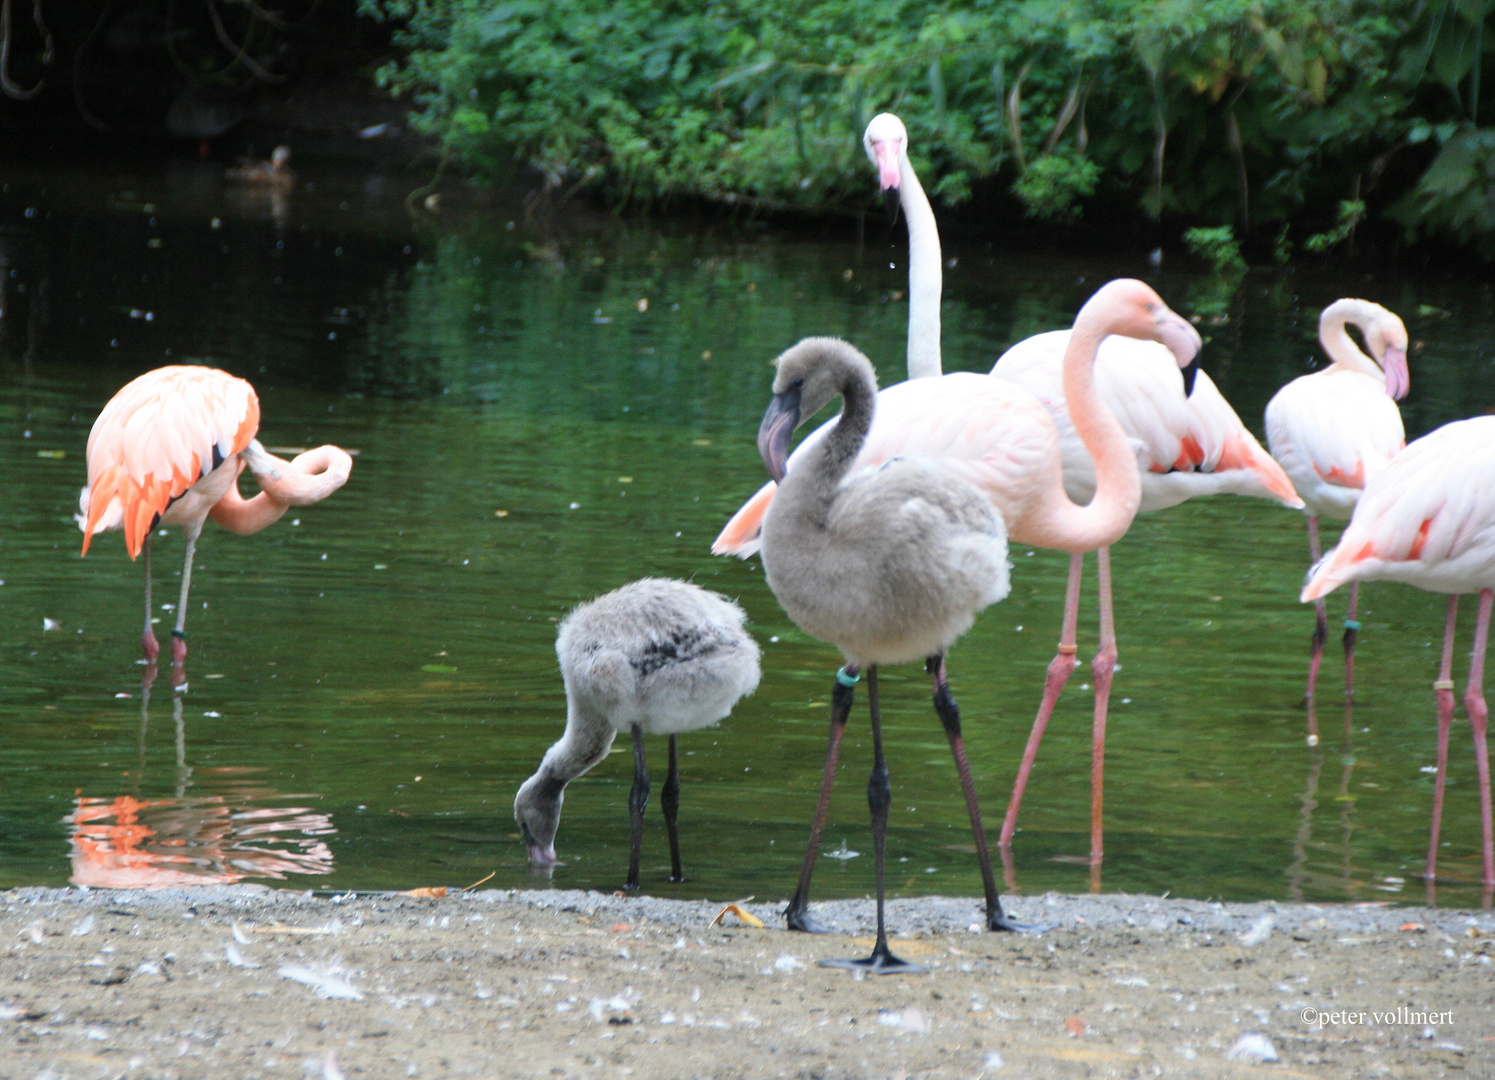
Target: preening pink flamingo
[(999, 436), (1333, 431), (168, 448), (1189, 443), (1428, 519)]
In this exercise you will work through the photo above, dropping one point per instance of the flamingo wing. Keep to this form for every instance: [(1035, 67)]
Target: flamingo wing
[(1219, 445), (156, 438), (1428, 519), (1333, 429)]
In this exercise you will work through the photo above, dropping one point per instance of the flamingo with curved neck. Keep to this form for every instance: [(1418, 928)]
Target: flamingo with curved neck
[(1333, 431), (168, 448)]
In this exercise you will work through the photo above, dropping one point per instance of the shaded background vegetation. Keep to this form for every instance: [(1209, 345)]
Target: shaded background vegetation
[(1285, 120), (1293, 122)]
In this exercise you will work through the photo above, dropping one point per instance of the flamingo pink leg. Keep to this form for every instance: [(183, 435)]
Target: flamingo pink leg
[(1479, 718), (1320, 630), (1351, 633), (1103, 670), (1060, 668), (1443, 693), (148, 639)]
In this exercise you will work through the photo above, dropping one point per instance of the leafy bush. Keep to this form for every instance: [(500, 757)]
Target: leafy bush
[(1256, 111), (1053, 184), (1456, 196), (1217, 246)]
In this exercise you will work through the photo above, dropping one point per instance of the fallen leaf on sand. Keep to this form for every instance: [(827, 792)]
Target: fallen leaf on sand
[(1075, 1026), (747, 917), (427, 892)]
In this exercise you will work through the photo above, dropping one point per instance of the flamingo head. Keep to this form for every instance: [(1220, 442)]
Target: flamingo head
[(810, 374), (886, 143), (1387, 338), (279, 157), (1131, 308), (537, 810)]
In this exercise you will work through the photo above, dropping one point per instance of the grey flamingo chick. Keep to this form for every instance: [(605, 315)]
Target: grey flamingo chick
[(889, 564), (655, 657)]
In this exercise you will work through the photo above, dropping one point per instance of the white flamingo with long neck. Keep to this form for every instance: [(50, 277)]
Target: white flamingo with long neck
[(1333, 431), (1190, 442)]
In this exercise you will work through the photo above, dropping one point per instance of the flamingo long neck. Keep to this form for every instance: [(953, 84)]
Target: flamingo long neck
[(831, 459), (1118, 481), (925, 276), (586, 741), (1337, 341)]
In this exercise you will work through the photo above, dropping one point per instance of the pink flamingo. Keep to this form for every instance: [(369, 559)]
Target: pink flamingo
[(168, 448), (1189, 443), (1333, 431), (997, 435), (1428, 519)]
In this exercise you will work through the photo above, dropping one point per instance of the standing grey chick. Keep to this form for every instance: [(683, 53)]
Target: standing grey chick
[(656, 656)]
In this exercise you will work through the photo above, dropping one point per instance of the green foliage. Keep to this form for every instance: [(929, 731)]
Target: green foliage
[(1251, 110), (1052, 185), (1217, 246), (1351, 214), (1456, 195)]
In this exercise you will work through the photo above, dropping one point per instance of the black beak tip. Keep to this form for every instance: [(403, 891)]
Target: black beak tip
[(890, 202), (1189, 371)]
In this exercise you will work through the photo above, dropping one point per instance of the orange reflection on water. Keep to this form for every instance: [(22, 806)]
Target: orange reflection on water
[(130, 843)]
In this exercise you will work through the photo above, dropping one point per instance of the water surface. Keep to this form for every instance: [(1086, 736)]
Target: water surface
[(543, 411)]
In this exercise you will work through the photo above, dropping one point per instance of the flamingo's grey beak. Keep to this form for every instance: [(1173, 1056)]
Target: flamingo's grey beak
[(777, 429)]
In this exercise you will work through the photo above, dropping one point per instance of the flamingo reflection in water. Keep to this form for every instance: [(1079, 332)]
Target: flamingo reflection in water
[(227, 833)]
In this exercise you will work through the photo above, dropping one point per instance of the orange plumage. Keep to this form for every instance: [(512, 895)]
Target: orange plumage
[(156, 438)]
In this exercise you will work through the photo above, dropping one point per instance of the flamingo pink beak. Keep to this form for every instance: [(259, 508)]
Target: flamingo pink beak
[(885, 157), (542, 856), (1394, 363)]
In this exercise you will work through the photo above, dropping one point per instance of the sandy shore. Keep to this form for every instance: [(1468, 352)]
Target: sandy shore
[(251, 982)]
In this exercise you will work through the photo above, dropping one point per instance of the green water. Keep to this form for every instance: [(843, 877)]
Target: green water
[(371, 680)]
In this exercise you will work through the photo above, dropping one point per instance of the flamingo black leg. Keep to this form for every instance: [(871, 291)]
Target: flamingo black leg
[(879, 798), (669, 800), (638, 799), (797, 914), (1351, 634), (949, 714)]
